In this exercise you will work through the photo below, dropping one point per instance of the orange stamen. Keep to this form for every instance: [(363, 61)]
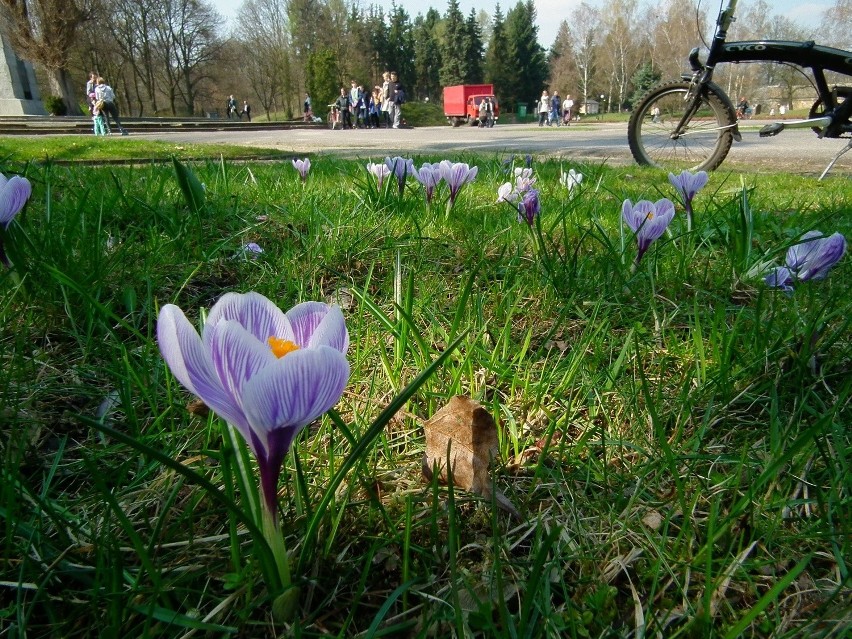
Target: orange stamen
[(281, 347)]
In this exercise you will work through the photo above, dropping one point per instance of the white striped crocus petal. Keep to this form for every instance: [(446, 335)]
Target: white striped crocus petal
[(688, 184), (429, 175), (815, 254), (456, 175), (302, 166), (780, 277), (14, 193), (380, 171), (648, 220), (266, 372), (400, 167)]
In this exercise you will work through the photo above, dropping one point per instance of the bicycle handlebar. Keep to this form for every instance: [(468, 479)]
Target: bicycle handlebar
[(726, 16)]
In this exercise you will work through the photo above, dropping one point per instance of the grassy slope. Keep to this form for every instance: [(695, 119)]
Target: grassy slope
[(676, 439)]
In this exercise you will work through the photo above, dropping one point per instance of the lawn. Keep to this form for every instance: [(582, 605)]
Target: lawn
[(673, 433), (89, 149)]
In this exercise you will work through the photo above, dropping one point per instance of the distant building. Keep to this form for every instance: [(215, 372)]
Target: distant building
[(18, 89), (590, 107)]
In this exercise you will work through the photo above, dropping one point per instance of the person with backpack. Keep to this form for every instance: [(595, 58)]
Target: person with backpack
[(232, 108), (555, 106), (543, 108), (398, 101), (104, 92)]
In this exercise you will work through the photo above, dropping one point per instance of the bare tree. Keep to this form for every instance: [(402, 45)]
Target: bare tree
[(118, 44), (130, 23), (836, 27), (44, 32), (677, 28), (584, 29), (264, 36), (185, 34), (563, 75), (621, 53)]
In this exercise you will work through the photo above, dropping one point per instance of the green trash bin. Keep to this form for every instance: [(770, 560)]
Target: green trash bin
[(522, 111)]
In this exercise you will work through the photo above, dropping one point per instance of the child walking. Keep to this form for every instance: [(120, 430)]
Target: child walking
[(101, 126)]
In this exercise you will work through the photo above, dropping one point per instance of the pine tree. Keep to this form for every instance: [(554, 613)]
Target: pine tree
[(377, 32), (401, 46), (473, 50), (323, 77), (497, 63), (453, 63), (427, 56), (528, 66), (644, 78)]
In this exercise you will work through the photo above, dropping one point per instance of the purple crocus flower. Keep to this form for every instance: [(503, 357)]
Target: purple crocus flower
[(381, 171), (14, 193), (529, 207), (648, 220), (814, 255), (429, 175), (265, 372), (456, 175), (687, 185), (524, 181), (400, 167), (780, 277), (809, 259), (302, 166), (252, 249)]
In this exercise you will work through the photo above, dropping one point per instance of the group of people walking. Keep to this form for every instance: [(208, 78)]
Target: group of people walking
[(358, 108), (101, 100), (233, 110), (553, 110)]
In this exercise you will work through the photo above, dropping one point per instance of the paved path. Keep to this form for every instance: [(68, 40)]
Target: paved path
[(795, 150)]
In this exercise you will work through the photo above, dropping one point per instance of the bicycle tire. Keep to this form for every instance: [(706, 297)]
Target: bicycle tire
[(702, 146)]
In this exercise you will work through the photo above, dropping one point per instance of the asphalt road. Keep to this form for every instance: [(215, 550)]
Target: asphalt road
[(793, 150)]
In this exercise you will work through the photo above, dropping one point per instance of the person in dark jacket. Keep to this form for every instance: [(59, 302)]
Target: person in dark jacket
[(343, 103)]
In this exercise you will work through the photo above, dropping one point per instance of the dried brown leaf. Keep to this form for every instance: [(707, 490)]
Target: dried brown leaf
[(198, 407), (461, 439)]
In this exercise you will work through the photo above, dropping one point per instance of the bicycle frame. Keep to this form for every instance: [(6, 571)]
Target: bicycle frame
[(807, 55)]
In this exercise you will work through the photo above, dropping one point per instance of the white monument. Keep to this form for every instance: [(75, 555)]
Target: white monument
[(18, 89)]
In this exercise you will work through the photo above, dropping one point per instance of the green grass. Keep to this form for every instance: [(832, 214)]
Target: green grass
[(91, 149), (676, 440)]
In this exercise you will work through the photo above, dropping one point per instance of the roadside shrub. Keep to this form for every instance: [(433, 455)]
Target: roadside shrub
[(55, 105), (423, 114)]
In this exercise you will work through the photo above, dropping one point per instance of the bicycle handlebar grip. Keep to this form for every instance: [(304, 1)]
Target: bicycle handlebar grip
[(771, 129)]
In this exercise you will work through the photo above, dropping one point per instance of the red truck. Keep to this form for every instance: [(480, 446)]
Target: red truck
[(461, 103)]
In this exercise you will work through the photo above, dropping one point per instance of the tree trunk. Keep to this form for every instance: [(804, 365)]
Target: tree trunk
[(62, 85)]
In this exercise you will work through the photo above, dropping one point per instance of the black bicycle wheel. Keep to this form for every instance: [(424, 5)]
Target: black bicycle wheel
[(701, 145)]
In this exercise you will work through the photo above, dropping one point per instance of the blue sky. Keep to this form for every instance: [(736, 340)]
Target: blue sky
[(552, 12)]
